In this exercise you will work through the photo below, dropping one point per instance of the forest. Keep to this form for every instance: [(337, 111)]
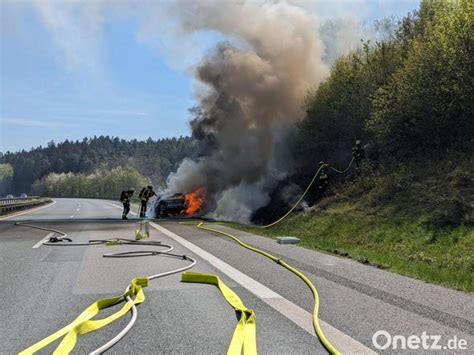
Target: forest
[(150, 160)]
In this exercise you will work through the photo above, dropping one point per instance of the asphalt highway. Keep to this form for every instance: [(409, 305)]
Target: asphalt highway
[(70, 209), (44, 288)]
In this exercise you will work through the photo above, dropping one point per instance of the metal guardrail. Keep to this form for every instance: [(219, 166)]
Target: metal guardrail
[(13, 200), (10, 205)]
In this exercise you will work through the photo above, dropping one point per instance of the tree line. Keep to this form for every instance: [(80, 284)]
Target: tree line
[(153, 159), (102, 182)]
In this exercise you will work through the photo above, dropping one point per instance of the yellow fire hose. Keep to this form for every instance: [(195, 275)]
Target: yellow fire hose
[(244, 337), (345, 170), (317, 328), (132, 296), (82, 324), (307, 189)]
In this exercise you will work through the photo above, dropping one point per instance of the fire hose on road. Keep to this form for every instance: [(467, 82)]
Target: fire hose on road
[(132, 296), (317, 328), (244, 338)]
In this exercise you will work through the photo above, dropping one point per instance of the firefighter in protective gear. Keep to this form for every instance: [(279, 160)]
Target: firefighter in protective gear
[(358, 153), (323, 180), (145, 194), (125, 198)]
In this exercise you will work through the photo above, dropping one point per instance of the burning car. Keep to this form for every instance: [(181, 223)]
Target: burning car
[(180, 204), (166, 205)]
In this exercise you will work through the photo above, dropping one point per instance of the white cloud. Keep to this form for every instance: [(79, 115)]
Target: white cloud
[(76, 29), (123, 112), (27, 122)]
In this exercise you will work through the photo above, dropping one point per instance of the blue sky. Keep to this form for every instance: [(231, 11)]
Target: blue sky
[(72, 82)]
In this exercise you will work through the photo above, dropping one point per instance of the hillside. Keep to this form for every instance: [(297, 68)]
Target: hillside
[(417, 221), (410, 207)]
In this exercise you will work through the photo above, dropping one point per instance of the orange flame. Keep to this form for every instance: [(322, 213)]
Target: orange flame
[(194, 200)]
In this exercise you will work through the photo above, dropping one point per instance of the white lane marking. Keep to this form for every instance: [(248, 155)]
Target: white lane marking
[(40, 243), (72, 216), (78, 209), (28, 211), (257, 288), (293, 312), (120, 207)]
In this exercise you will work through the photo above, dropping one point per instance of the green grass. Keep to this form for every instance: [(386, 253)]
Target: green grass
[(402, 244)]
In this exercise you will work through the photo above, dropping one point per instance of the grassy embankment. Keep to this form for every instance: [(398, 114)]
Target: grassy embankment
[(417, 222)]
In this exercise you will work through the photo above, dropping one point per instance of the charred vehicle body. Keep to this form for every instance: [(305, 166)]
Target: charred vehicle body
[(190, 204), (167, 205)]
